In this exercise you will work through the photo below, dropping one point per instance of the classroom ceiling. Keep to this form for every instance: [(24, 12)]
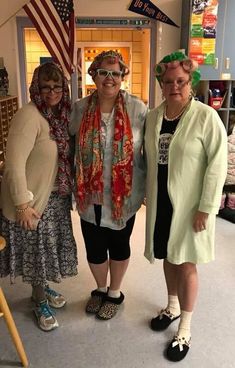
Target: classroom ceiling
[(9, 9)]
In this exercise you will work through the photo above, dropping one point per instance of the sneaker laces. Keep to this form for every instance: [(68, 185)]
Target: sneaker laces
[(52, 292), (181, 341), (45, 310)]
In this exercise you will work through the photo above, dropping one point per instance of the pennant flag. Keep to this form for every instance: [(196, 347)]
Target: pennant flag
[(55, 23), (148, 9)]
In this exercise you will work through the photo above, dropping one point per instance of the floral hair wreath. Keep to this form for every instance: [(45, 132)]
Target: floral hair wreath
[(113, 56), (173, 61)]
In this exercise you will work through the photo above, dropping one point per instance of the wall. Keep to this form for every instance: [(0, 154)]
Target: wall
[(168, 36), (9, 51)]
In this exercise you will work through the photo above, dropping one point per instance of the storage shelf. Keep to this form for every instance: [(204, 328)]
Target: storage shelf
[(8, 108), (227, 111)]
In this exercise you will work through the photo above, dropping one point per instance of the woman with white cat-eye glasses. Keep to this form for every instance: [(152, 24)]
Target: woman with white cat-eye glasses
[(110, 177)]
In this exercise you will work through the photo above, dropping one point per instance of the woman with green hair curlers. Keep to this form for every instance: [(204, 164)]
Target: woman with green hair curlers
[(186, 152)]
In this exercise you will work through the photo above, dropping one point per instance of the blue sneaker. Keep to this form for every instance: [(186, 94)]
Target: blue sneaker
[(46, 317), (55, 300)]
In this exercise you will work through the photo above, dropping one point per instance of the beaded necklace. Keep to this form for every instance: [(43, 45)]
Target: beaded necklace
[(176, 116)]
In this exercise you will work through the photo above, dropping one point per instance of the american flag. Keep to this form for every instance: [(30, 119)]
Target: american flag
[(55, 23)]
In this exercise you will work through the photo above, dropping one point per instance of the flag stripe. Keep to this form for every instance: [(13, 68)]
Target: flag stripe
[(49, 26), (58, 36), (52, 32), (50, 11), (72, 37), (52, 45)]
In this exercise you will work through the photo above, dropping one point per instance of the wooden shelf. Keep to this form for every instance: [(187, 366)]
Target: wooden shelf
[(227, 110), (8, 108)]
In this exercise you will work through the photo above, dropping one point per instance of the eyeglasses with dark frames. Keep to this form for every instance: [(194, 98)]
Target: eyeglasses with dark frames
[(55, 89)]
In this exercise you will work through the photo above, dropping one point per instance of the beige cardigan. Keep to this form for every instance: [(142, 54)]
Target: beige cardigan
[(31, 162)]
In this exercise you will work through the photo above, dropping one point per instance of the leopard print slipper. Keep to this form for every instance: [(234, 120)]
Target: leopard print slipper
[(95, 301), (109, 307)]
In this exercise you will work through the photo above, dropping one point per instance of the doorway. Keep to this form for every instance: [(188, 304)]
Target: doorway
[(87, 51), (139, 35)]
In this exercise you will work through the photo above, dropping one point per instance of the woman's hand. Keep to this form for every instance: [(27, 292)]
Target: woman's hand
[(199, 221), (28, 218)]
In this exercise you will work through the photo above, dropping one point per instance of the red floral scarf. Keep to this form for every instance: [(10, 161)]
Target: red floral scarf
[(58, 131), (89, 160)]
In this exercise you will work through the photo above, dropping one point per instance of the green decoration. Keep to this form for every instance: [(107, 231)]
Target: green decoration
[(161, 67)]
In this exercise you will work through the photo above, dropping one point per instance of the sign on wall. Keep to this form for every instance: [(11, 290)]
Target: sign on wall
[(202, 39), (112, 22)]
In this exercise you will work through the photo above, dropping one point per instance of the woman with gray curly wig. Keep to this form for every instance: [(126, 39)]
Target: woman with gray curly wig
[(110, 177)]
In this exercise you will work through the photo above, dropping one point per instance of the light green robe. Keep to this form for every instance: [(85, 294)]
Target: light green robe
[(197, 167)]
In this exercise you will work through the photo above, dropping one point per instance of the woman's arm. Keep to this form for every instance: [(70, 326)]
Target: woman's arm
[(215, 145)]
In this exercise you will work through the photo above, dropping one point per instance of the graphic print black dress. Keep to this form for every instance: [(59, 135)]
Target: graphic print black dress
[(164, 207)]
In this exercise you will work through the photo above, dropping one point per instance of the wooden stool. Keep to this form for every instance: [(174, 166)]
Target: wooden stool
[(5, 312)]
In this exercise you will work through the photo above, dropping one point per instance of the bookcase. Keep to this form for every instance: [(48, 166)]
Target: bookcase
[(8, 108), (225, 105), (217, 85)]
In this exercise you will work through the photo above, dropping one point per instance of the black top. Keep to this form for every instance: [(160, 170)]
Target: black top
[(164, 207)]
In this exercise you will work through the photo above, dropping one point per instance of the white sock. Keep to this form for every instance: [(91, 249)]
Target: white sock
[(184, 325), (114, 293), (102, 289), (173, 305)]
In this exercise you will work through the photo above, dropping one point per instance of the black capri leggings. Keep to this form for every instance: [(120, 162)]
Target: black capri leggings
[(100, 241)]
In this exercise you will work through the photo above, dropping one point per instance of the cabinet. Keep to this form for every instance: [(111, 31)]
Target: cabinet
[(8, 107), (219, 77), (228, 54), (224, 66), (223, 71)]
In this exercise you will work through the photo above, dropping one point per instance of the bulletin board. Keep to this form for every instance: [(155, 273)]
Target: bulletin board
[(202, 40)]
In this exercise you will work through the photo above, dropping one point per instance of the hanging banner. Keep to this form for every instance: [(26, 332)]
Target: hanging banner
[(148, 9), (202, 39)]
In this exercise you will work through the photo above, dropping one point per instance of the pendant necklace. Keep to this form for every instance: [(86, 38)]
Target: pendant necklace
[(107, 117)]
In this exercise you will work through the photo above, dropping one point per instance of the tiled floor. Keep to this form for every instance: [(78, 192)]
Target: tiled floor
[(82, 341)]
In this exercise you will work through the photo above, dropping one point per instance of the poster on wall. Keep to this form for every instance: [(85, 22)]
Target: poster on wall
[(202, 40)]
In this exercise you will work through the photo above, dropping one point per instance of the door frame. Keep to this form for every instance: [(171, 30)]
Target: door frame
[(88, 22)]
